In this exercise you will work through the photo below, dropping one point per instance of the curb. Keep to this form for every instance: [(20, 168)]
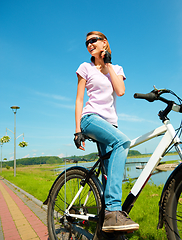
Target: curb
[(31, 197)]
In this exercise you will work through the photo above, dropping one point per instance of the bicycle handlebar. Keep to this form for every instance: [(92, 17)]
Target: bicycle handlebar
[(149, 96), (155, 95)]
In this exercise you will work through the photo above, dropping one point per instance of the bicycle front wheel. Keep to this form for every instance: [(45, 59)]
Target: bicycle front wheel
[(173, 208), (88, 203)]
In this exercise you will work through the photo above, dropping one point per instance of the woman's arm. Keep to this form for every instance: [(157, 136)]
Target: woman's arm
[(117, 81), (79, 105)]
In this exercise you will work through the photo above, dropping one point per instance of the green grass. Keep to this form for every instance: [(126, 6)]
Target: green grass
[(37, 180), (146, 212), (149, 155)]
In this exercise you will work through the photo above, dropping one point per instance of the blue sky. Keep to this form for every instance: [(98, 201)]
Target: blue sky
[(42, 43)]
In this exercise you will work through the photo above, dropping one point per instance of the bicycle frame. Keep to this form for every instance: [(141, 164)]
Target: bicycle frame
[(168, 138)]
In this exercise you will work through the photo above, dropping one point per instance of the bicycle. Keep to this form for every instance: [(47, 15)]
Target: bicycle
[(75, 200)]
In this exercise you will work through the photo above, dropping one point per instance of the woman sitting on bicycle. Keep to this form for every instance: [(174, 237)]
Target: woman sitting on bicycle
[(98, 120)]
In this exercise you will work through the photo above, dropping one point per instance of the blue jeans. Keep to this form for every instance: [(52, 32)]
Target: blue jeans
[(109, 138)]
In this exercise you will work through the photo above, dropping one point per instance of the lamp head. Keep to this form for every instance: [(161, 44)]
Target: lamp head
[(15, 108)]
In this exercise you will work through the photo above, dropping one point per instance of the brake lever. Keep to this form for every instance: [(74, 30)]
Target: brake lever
[(158, 92)]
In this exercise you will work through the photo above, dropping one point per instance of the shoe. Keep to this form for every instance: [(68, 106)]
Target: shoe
[(118, 221)]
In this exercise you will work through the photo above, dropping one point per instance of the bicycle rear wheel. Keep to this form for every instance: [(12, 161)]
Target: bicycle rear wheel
[(173, 208), (61, 225)]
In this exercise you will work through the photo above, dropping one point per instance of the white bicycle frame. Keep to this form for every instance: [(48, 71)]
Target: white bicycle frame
[(168, 138)]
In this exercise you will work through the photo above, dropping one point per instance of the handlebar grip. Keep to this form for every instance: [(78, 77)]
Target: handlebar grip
[(149, 96)]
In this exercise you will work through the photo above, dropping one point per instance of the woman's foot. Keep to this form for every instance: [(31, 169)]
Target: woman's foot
[(118, 221)]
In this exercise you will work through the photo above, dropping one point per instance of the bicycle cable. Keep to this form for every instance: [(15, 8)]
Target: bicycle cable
[(173, 93), (178, 130)]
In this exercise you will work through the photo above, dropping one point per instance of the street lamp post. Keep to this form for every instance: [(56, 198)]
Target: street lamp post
[(15, 108), (1, 156)]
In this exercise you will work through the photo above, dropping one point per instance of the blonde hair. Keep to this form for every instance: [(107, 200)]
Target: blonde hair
[(101, 35)]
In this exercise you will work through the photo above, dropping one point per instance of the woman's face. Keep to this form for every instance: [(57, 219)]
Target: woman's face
[(95, 45)]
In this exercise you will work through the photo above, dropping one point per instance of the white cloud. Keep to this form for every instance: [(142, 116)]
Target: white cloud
[(64, 106), (60, 155), (130, 118), (58, 101), (26, 156), (133, 118), (53, 96)]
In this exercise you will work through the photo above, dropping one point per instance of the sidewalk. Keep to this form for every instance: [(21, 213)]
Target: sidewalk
[(20, 217)]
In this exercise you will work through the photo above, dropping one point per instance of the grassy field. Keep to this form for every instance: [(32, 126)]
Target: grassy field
[(37, 180), (149, 155)]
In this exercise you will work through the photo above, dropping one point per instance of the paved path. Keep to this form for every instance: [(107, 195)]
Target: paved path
[(20, 217)]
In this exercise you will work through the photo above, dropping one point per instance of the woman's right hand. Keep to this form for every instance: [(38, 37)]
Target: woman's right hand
[(106, 56), (79, 141)]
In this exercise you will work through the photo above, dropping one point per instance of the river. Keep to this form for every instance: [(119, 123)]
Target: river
[(130, 168), (157, 178)]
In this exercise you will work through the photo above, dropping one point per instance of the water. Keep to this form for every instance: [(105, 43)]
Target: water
[(131, 171), (157, 178)]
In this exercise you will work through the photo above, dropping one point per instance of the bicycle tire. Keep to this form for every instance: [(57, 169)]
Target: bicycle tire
[(62, 227), (173, 208)]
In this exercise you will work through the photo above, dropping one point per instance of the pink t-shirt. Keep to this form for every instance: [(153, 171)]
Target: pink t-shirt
[(102, 97)]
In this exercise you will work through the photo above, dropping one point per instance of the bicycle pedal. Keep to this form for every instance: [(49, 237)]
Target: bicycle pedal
[(119, 232)]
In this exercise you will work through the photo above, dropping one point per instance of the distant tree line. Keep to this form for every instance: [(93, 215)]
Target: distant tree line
[(34, 161), (56, 160), (133, 153)]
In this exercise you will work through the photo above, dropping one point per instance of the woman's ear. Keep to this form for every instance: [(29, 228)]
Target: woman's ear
[(104, 43)]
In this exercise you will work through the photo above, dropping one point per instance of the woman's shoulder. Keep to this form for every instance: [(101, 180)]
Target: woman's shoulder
[(85, 64), (85, 67)]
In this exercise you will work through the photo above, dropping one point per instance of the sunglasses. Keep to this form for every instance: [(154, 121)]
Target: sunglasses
[(92, 40)]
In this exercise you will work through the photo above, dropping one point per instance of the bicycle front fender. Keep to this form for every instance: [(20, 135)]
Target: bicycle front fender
[(93, 177), (164, 192)]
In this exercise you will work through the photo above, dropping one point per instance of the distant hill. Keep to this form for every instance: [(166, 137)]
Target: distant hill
[(94, 156), (133, 153), (34, 161), (88, 157), (56, 160)]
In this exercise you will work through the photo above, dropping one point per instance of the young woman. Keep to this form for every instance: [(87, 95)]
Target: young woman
[(98, 120)]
